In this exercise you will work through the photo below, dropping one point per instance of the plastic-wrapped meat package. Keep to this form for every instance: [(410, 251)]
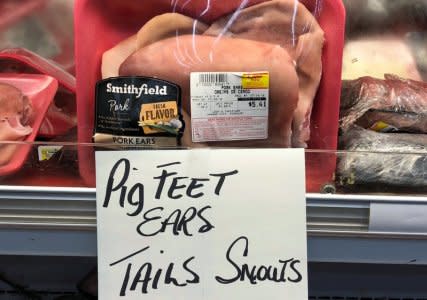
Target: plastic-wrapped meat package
[(61, 116), (383, 159), (392, 104), (55, 117), (262, 29), (243, 73)]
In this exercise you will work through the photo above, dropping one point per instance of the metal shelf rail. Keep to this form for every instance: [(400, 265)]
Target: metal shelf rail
[(341, 228)]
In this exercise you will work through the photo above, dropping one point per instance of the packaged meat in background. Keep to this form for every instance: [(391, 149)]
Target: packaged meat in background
[(383, 161), (41, 26), (390, 104), (209, 74), (383, 115), (61, 116), (24, 101), (37, 41)]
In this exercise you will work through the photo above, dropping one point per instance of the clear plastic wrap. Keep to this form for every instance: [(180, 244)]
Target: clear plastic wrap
[(61, 115), (170, 46), (381, 160), (383, 117), (393, 104), (171, 40)]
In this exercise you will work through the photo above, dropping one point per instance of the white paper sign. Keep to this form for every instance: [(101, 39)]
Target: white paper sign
[(202, 224)]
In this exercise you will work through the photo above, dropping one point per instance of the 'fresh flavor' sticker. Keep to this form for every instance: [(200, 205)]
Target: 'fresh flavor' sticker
[(229, 106), (138, 111)]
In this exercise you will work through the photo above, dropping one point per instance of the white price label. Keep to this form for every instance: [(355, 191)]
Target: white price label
[(229, 106)]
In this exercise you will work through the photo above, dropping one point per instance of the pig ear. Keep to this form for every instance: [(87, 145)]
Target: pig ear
[(28, 113)]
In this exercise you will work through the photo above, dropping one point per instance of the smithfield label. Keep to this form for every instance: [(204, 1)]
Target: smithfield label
[(138, 111)]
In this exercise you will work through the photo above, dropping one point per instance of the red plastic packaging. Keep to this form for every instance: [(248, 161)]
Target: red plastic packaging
[(114, 20), (61, 116), (40, 90)]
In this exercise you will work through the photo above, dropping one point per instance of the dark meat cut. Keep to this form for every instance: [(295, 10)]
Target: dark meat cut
[(399, 104), (391, 159)]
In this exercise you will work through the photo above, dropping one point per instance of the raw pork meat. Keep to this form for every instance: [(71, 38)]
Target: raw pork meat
[(399, 103), (289, 24), (166, 26), (158, 28), (165, 60), (15, 114)]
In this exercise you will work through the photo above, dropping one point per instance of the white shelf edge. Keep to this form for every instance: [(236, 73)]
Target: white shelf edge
[(78, 237)]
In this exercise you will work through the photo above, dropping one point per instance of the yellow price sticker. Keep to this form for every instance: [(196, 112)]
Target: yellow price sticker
[(256, 80)]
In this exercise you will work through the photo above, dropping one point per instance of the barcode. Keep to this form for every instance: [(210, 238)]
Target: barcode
[(213, 78)]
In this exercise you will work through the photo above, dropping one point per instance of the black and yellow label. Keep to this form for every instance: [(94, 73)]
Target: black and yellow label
[(138, 107)]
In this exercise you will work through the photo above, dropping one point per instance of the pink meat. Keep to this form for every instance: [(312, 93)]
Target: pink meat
[(173, 59), (15, 114), (6, 152), (289, 24), (158, 28)]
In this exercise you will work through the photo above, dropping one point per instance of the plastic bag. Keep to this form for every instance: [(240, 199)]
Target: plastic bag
[(281, 38), (383, 159), (389, 105)]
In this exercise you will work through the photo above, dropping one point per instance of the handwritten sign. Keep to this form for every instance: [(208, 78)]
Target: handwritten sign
[(201, 224)]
